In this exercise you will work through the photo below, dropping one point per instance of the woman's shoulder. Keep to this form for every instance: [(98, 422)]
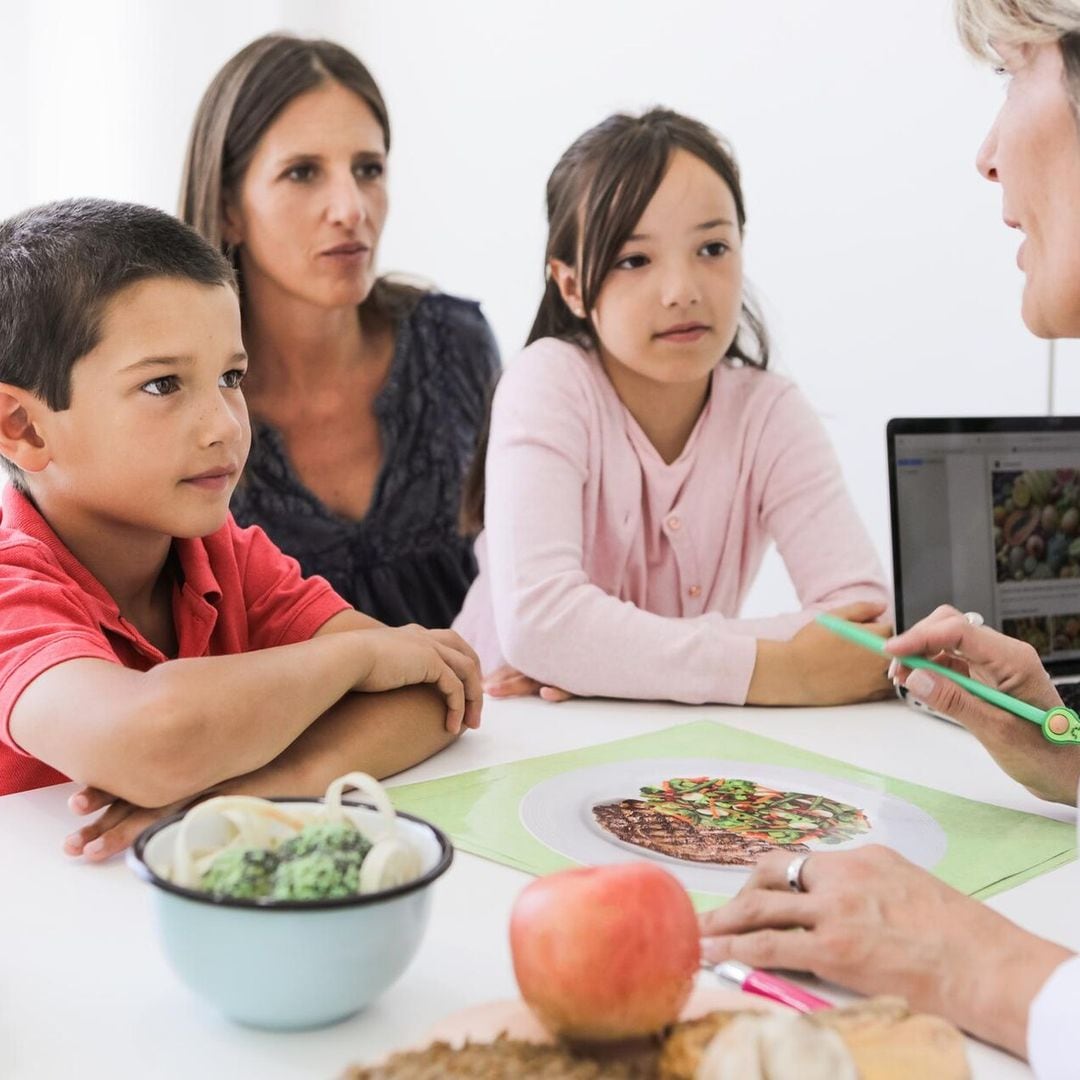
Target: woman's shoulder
[(448, 337), (443, 312)]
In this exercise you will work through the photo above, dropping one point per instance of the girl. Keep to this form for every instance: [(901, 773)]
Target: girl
[(366, 395), (641, 457)]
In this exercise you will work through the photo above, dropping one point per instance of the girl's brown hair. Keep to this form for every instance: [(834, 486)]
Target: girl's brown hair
[(596, 195), (241, 102)]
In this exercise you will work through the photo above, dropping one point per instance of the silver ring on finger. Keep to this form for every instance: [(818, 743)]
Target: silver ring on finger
[(974, 618), (794, 873)]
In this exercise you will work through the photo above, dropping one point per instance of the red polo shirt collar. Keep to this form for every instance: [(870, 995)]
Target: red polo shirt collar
[(195, 598)]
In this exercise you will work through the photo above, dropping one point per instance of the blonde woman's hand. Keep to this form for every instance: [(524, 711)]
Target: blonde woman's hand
[(871, 921), (946, 636), (507, 681)]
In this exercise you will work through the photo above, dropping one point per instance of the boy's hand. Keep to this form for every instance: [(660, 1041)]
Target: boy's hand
[(117, 828), (409, 655)]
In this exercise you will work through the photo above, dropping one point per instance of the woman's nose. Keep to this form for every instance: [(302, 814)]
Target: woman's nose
[(985, 160), (346, 205)]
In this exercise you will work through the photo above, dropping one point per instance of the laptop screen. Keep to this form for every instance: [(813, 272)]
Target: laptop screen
[(986, 517)]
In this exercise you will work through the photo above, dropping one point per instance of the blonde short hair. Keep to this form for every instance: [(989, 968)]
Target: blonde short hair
[(1024, 22), (1018, 22)]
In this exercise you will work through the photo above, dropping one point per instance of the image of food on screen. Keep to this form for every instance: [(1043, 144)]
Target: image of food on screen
[(1036, 523)]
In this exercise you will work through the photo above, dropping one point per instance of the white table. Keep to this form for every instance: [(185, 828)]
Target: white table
[(85, 990)]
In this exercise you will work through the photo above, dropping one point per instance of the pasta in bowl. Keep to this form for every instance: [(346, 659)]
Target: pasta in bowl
[(292, 913)]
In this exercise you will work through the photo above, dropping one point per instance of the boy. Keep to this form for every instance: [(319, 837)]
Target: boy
[(149, 647)]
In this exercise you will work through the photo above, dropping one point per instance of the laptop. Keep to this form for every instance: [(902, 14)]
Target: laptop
[(986, 517)]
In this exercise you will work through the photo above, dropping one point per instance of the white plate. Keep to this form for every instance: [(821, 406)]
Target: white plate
[(558, 812)]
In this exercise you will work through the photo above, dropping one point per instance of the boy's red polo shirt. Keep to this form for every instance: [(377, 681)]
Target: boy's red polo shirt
[(239, 593)]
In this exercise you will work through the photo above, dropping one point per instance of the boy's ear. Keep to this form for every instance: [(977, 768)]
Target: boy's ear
[(21, 441), (566, 281)]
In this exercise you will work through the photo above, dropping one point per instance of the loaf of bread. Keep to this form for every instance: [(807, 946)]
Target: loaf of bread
[(878, 1039)]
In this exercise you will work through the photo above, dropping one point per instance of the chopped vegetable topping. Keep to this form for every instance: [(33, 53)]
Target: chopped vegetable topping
[(757, 811), (318, 875), (242, 873)]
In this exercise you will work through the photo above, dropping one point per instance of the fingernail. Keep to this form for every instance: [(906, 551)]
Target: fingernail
[(921, 684), (95, 847), (894, 667), (74, 842), (79, 802)]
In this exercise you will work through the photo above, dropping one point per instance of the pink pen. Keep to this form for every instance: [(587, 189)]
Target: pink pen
[(767, 985)]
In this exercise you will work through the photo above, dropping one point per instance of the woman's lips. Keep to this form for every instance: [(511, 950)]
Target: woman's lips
[(347, 254)]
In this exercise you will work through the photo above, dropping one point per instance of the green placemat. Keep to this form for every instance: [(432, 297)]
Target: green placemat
[(985, 849)]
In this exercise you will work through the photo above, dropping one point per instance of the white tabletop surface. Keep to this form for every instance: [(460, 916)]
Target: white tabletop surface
[(86, 991)]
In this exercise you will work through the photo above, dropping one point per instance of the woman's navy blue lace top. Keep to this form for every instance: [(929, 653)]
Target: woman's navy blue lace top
[(405, 560)]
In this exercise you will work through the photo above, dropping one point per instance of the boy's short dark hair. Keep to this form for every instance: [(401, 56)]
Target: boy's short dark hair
[(60, 265)]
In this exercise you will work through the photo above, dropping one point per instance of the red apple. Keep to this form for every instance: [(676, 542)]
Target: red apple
[(607, 952)]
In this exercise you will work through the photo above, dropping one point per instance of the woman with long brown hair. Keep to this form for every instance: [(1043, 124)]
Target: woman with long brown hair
[(366, 394)]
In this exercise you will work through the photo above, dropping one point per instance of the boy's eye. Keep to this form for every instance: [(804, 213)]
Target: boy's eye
[(231, 380), (300, 173), (160, 387), (631, 262), (715, 248)]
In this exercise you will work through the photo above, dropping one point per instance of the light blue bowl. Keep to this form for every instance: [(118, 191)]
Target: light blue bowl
[(291, 965)]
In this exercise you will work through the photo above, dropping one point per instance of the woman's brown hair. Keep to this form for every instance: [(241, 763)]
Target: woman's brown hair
[(596, 195), (241, 102)]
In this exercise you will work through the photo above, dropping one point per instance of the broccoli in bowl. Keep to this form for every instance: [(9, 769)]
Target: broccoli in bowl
[(277, 855)]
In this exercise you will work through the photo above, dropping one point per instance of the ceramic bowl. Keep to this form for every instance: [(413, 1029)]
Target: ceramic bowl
[(288, 965)]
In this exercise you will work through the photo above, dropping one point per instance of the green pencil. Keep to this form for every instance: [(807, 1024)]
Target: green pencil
[(1059, 725)]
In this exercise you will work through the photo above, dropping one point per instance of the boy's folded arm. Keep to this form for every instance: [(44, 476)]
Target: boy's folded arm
[(349, 619), (154, 737), (380, 734)]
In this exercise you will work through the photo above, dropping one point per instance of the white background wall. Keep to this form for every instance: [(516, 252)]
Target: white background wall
[(887, 278)]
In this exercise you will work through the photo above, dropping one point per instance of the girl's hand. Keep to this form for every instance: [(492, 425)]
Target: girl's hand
[(818, 668), (1046, 769), (871, 921), (410, 655), (507, 682)]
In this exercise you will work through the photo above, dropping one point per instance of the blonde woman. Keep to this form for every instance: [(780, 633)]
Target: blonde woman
[(873, 921)]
